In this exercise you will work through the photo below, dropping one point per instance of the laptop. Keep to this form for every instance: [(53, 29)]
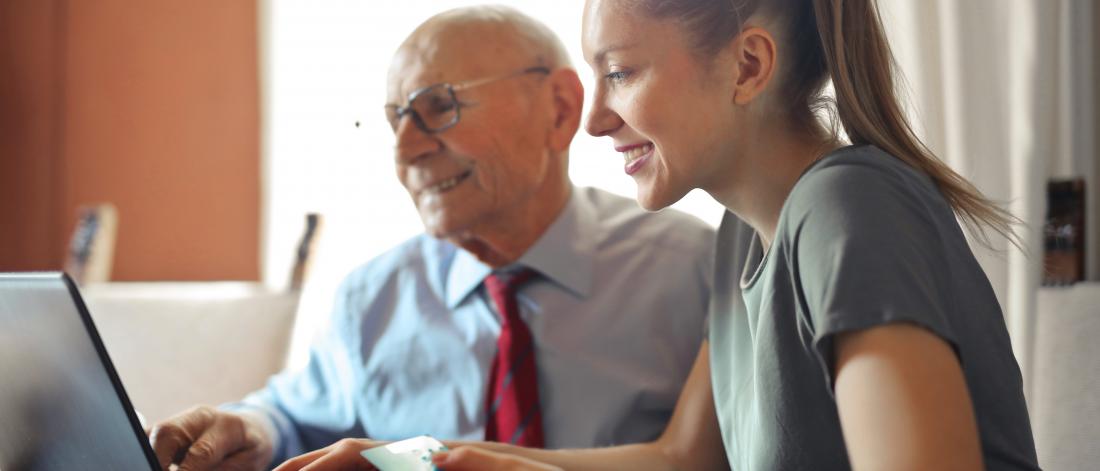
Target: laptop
[(62, 405)]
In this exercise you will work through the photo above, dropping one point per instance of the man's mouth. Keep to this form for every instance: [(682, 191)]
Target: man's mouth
[(448, 184)]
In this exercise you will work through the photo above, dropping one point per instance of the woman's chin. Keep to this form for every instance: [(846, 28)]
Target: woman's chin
[(651, 199)]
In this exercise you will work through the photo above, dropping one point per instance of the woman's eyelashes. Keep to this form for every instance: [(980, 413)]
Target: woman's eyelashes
[(617, 76)]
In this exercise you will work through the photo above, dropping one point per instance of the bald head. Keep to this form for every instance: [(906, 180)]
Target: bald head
[(514, 31), (479, 40)]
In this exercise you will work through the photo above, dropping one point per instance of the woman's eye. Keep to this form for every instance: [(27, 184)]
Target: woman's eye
[(617, 76)]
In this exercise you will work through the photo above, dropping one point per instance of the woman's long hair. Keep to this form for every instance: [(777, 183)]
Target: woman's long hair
[(842, 41)]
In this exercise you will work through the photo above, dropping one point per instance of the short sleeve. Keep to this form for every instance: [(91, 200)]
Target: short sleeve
[(866, 251)]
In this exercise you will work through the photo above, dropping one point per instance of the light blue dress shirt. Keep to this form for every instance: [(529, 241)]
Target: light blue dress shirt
[(617, 316)]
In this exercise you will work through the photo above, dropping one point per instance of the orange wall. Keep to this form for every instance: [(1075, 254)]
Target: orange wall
[(159, 114), (29, 132)]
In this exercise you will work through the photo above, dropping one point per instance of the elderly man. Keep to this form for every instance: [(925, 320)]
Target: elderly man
[(531, 312)]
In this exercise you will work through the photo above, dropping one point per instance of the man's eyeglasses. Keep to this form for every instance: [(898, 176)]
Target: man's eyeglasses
[(434, 108)]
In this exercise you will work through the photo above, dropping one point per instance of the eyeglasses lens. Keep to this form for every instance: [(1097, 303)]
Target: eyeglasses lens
[(434, 108)]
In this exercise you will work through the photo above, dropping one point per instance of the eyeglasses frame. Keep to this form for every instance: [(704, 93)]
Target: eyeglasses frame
[(401, 111)]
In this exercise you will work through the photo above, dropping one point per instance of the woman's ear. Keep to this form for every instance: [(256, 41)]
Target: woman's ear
[(567, 94), (753, 57)]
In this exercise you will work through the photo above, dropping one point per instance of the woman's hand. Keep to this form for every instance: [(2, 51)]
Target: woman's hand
[(342, 455), (345, 455), (469, 458)]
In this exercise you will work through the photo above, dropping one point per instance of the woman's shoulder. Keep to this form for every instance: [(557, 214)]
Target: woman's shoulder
[(867, 165), (863, 182), (864, 192)]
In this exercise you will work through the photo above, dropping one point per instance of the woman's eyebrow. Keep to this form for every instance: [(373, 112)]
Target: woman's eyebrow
[(602, 53)]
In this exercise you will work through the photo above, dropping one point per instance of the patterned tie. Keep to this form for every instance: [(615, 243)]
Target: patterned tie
[(512, 402)]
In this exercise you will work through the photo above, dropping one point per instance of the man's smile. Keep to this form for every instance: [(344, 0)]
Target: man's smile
[(448, 184)]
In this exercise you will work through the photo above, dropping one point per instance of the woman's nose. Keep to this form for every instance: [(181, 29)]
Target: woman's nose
[(602, 120)]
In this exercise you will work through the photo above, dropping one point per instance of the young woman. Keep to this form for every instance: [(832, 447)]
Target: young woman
[(851, 325)]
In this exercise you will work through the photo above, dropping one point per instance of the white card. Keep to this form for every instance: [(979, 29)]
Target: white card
[(413, 454)]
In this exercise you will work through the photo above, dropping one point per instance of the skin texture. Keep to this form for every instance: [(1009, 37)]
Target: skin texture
[(476, 459), (206, 438), (903, 401), (513, 137)]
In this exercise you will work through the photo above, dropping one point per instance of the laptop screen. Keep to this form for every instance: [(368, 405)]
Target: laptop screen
[(61, 406)]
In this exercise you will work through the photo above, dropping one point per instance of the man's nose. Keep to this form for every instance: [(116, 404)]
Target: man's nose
[(412, 142)]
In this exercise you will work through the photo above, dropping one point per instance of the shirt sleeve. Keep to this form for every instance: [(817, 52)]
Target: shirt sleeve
[(866, 252), (312, 407)]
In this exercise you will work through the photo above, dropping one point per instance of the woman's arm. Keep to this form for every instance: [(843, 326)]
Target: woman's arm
[(691, 441), (903, 401)]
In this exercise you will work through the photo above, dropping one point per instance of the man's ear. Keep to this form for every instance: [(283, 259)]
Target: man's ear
[(567, 94), (753, 55)]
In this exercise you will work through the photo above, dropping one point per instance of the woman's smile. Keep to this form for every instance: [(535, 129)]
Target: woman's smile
[(635, 156)]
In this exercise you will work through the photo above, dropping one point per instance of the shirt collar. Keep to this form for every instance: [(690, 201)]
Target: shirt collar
[(564, 254)]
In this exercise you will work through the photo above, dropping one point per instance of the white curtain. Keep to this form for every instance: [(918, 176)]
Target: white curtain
[(1002, 90)]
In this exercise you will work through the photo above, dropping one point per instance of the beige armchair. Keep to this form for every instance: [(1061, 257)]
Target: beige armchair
[(180, 344)]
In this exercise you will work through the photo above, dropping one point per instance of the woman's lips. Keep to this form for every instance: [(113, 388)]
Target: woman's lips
[(636, 156)]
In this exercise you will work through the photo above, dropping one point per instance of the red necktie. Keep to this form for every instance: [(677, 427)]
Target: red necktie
[(512, 403)]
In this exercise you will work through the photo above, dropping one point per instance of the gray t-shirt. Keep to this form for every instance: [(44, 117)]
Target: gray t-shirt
[(863, 240)]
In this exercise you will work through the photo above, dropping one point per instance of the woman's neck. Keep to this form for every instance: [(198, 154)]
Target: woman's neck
[(755, 184)]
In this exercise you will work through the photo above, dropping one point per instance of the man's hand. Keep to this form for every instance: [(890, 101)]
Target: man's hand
[(470, 459), (342, 455), (205, 438)]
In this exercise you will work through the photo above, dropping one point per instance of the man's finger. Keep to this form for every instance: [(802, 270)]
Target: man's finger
[(207, 452), (245, 460), (168, 440)]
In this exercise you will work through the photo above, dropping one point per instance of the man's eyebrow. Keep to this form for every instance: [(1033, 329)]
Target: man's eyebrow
[(602, 54), (403, 97)]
